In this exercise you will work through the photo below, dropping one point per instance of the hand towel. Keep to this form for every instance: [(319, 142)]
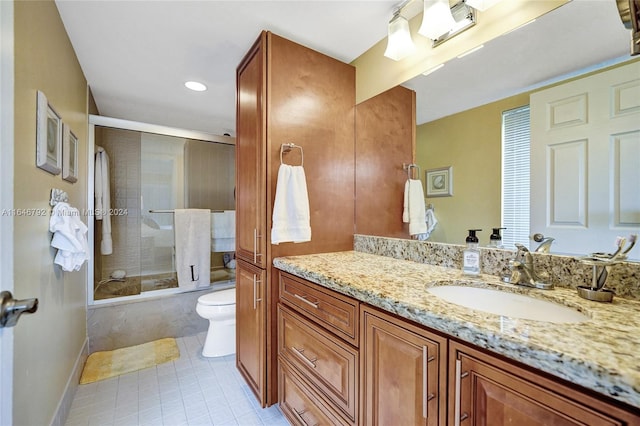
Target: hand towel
[(414, 211), (102, 193), (69, 237), (223, 231), (291, 217), (192, 229), (431, 222)]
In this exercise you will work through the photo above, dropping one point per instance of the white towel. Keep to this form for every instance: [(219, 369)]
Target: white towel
[(291, 218), (102, 193), (413, 212), (431, 222), (223, 231), (69, 237), (192, 229)]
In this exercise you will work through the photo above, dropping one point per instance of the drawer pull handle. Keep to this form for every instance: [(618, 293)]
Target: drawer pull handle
[(430, 396), (300, 352), (304, 299), (465, 374), (431, 358), (463, 417)]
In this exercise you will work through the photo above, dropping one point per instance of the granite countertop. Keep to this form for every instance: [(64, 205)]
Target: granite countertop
[(602, 353)]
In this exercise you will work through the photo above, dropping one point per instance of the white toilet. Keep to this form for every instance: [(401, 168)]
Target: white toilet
[(219, 308)]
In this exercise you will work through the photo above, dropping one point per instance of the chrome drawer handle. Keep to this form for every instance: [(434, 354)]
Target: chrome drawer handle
[(304, 299), (310, 362)]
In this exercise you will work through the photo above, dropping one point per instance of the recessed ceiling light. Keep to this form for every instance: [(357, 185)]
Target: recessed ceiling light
[(194, 85)]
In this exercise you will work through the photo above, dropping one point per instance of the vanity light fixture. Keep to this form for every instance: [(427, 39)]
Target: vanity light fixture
[(195, 86), (433, 69), (470, 51), (399, 42), (437, 19), (481, 5)]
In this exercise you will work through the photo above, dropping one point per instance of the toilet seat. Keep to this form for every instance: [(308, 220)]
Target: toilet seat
[(219, 298)]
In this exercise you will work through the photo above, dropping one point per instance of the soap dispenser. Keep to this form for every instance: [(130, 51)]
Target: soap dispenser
[(471, 255), (495, 240)]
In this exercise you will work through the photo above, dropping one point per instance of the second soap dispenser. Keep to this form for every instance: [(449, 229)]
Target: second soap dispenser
[(471, 255), (495, 239)]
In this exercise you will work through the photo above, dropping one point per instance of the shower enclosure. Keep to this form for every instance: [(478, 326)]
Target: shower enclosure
[(152, 171)]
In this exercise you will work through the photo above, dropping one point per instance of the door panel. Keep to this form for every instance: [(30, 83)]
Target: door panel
[(585, 161)]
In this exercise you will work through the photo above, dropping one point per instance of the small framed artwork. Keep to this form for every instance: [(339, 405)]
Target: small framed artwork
[(69, 154), (439, 182), (48, 136)]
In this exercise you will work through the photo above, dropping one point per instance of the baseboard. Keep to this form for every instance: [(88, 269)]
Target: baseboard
[(64, 406)]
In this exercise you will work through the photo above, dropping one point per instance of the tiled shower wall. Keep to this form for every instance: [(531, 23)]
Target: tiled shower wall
[(123, 148)]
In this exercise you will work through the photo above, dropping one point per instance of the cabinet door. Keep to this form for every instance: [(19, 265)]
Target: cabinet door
[(402, 373), (250, 327), (483, 392), (250, 157)]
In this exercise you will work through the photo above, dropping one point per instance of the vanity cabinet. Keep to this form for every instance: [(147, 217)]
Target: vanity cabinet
[(288, 93), (345, 362), (403, 372), (318, 354), (486, 390)]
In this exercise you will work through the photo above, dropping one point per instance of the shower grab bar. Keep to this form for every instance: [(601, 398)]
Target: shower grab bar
[(173, 211)]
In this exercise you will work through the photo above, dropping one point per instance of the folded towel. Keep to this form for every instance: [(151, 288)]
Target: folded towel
[(192, 229), (414, 211), (291, 218), (223, 224), (223, 244), (69, 237), (102, 193)]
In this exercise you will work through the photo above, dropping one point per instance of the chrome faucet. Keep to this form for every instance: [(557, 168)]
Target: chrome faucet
[(545, 243), (522, 271)]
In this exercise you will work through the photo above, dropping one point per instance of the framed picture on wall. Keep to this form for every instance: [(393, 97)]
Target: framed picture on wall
[(48, 136), (69, 154), (439, 182)]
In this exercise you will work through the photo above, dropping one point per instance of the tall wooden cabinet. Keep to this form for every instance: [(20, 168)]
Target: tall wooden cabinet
[(287, 93)]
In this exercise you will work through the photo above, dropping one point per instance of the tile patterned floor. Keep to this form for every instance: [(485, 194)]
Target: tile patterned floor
[(190, 391)]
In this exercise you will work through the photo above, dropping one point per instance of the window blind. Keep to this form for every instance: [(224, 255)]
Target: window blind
[(516, 139)]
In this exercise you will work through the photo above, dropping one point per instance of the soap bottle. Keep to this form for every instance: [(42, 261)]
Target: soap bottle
[(495, 240), (471, 255)]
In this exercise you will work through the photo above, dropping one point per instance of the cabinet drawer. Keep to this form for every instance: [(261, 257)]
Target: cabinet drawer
[(299, 402), (329, 365), (337, 313)]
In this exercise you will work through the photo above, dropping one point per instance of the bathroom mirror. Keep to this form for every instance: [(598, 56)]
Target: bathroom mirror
[(463, 85)]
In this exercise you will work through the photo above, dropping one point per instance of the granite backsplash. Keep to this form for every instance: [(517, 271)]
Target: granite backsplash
[(563, 271)]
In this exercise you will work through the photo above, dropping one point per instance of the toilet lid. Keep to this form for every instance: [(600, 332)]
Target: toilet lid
[(217, 298)]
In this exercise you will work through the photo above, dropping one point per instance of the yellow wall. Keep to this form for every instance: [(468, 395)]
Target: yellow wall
[(375, 73), (48, 342), (471, 142)]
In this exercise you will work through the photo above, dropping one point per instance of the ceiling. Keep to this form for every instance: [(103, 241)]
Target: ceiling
[(136, 55)]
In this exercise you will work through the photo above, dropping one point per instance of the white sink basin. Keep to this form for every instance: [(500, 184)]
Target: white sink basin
[(507, 304)]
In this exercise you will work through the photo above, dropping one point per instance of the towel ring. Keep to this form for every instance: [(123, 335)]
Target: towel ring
[(408, 168), (286, 147)]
